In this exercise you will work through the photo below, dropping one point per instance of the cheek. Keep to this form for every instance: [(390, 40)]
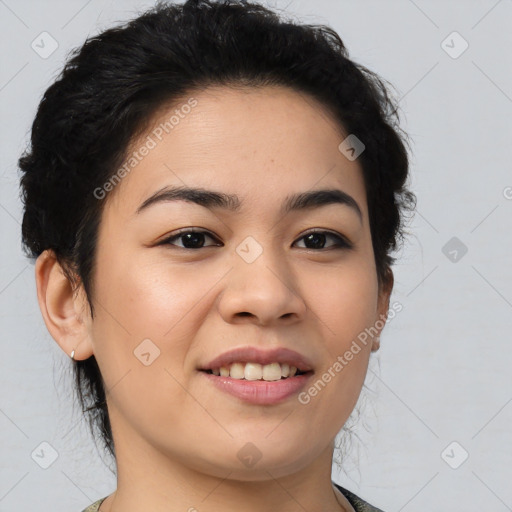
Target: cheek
[(345, 302), (152, 301), (137, 331), (149, 299), (345, 299)]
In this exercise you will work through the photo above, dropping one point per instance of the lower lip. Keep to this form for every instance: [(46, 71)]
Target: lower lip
[(260, 392)]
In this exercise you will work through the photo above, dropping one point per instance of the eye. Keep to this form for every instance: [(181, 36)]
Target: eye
[(192, 239), (317, 240)]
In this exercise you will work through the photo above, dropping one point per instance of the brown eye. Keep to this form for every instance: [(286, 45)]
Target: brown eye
[(192, 239), (316, 240)]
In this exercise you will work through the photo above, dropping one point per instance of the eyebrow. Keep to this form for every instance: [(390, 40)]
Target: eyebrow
[(218, 200)]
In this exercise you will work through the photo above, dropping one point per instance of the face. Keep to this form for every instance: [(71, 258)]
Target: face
[(178, 284)]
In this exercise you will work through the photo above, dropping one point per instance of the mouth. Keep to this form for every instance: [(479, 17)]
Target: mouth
[(253, 363), (259, 377)]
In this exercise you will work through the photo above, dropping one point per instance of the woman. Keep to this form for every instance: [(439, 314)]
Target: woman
[(212, 194)]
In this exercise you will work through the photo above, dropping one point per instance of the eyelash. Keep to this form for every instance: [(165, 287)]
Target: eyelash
[(342, 243)]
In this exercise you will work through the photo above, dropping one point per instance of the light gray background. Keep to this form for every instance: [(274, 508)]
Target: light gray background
[(443, 373)]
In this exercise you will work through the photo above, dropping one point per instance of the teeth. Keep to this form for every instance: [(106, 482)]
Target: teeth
[(255, 371), (237, 371), (272, 371)]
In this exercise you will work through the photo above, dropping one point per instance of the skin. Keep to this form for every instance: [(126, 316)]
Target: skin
[(177, 436)]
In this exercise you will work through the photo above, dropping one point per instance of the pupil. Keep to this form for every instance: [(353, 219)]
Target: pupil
[(191, 236), (312, 236)]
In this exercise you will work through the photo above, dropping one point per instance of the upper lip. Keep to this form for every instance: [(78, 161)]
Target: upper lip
[(256, 355)]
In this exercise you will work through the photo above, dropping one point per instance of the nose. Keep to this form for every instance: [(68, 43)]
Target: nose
[(263, 292)]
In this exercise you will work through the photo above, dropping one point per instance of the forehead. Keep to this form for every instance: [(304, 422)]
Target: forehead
[(257, 143)]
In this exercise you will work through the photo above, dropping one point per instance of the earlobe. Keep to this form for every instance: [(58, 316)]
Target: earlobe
[(61, 309)]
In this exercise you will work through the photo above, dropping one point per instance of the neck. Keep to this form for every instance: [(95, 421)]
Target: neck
[(148, 479)]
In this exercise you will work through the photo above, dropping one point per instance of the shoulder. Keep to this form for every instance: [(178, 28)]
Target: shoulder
[(358, 504), (94, 506)]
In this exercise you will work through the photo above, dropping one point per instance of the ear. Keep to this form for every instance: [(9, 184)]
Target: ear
[(385, 290), (63, 311)]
